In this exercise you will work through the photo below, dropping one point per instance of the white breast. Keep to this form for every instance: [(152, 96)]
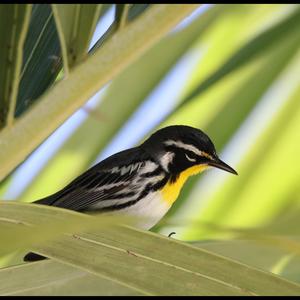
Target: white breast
[(151, 210)]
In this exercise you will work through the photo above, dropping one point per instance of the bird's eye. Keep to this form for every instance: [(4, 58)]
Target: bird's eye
[(190, 158)]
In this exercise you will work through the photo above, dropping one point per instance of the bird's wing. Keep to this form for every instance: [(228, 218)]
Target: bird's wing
[(106, 185)]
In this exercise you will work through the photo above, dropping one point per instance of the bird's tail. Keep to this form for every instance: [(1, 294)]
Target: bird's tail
[(33, 257), (30, 257)]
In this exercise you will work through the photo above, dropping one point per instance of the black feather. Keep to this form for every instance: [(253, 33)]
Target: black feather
[(33, 257)]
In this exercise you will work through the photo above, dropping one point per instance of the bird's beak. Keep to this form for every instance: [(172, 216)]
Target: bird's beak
[(218, 163)]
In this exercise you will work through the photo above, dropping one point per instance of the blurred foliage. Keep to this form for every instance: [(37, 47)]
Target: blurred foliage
[(242, 90)]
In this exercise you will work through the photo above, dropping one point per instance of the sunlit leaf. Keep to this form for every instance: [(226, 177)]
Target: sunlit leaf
[(129, 250), (257, 254)]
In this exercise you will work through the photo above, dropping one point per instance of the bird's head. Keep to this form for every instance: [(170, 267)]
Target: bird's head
[(178, 148)]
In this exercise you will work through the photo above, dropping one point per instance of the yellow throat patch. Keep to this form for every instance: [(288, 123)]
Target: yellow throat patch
[(171, 190)]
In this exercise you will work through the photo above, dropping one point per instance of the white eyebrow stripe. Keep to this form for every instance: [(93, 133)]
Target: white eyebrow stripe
[(188, 147), (184, 146)]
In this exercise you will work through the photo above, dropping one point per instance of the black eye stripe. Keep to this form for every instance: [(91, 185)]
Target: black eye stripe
[(191, 154)]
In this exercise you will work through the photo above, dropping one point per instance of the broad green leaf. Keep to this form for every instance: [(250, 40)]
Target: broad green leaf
[(129, 249), (67, 96), (50, 278), (138, 260), (23, 224), (14, 21), (75, 25), (258, 254)]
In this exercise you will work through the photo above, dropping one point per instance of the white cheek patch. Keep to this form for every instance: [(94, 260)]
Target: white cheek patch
[(166, 159)]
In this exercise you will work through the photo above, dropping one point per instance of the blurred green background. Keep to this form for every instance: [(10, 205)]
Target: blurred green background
[(231, 70)]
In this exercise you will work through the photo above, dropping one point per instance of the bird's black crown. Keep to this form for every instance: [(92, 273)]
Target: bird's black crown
[(183, 133)]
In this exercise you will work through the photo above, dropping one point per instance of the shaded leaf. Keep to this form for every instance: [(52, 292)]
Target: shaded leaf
[(14, 20), (42, 58), (121, 15), (136, 9), (75, 24), (50, 278)]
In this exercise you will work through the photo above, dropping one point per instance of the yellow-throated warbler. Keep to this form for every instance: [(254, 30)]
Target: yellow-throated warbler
[(143, 181)]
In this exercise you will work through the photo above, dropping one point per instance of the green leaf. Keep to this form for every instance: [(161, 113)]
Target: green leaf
[(14, 21), (19, 220), (75, 24), (258, 254), (132, 257), (50, 278), (253, 49), (127, 248), (136, 10), (42, 59), (121, 15), (87, 78)]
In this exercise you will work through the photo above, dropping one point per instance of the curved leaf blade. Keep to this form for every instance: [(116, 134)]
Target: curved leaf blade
[(50, 278), (141, 254)]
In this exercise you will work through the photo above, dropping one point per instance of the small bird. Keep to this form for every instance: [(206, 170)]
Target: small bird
[(143, 181)]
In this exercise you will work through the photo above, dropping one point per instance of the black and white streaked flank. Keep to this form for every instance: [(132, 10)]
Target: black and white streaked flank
[(132, 180), (115, 183)]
